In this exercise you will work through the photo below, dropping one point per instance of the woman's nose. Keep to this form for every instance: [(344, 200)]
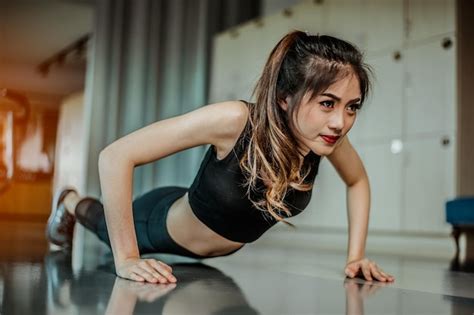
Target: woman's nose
[(336, 120)]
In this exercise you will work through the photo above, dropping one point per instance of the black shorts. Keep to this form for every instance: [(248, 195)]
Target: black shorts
[(149, 215)]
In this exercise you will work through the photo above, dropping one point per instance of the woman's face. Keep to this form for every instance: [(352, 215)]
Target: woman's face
[(323, 122)]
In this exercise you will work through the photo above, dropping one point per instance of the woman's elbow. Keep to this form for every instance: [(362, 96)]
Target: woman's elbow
[(108, 158), (104, 156)]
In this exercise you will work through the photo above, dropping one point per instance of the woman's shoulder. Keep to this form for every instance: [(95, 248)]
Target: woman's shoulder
[(234, 115)]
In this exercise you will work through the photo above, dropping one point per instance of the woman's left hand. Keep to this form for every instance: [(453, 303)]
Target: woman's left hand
[(368, 268)]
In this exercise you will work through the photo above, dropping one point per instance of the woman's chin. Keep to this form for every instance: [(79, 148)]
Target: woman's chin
[(323, 149), (323, 152)]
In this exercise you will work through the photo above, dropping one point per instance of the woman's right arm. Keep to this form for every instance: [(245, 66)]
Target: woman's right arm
[(212, 124)]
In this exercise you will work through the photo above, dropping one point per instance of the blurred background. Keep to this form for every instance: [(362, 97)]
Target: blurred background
[(75, 75)]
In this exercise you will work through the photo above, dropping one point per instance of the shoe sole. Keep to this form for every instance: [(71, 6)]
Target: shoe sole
[(54, 209)]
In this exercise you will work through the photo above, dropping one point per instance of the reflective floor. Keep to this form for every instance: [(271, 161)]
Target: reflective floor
[(255, 280)]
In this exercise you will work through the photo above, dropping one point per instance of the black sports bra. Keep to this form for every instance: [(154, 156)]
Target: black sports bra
[(218, 199)]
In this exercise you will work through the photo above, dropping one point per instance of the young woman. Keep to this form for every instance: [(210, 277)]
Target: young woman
[(259, 169)]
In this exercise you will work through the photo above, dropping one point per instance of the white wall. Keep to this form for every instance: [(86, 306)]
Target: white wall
[(273, 6), (70, 167)]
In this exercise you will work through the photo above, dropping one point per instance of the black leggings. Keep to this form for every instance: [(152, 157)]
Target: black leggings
[(149, 216)]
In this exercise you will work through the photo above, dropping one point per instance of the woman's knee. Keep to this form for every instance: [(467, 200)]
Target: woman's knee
[(89, 212)]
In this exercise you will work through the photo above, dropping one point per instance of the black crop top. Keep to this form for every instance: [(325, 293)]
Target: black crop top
[(218, 198)]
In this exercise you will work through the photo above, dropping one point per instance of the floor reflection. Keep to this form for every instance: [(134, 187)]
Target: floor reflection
[(52, 287), (201, 289), (457, 264)]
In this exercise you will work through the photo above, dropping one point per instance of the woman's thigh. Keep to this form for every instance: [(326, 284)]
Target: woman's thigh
[(158, 233), (144, 207), (149, 216)]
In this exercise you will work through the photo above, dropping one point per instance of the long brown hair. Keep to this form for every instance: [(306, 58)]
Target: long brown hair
[(297, 65)]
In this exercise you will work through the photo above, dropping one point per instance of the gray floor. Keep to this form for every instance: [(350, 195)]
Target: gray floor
[(255, 280)]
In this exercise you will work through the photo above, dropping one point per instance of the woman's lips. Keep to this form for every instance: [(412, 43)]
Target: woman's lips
[(330, 139)]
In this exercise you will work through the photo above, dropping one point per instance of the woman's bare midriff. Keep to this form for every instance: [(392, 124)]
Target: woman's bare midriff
[(189, 232)]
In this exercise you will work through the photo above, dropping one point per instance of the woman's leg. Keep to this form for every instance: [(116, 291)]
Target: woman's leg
[(159, 201), (90, 213), (149, 215)]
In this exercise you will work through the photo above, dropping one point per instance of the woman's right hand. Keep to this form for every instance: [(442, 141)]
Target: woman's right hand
[(149, 270)]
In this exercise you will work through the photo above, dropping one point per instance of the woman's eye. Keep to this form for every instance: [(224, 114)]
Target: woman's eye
[(355, 107), (327, 104)]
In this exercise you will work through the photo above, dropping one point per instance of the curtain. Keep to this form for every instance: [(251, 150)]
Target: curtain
[(149, 60)]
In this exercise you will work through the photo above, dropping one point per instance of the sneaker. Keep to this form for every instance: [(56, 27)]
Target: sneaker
[(60, 228)]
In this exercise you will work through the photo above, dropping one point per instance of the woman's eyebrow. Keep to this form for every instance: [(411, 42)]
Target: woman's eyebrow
[(338, 98)]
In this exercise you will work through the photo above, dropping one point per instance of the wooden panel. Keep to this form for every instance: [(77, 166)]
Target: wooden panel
[(13, 237), (28, 196), (27, 200), (465, 117)]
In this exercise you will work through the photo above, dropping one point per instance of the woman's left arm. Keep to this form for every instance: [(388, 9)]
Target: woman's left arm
[(349, 166)]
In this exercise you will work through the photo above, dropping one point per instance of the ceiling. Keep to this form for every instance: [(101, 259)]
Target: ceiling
[(33, 31)]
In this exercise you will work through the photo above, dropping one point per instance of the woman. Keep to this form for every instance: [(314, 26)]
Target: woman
[(259, 169)]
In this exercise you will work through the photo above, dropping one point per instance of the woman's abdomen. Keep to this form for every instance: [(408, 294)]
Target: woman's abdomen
[(188, 231)]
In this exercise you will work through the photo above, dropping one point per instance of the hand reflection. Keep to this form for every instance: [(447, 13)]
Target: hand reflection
[(125, 294), (358, 290), (147, 292), (201, 289)]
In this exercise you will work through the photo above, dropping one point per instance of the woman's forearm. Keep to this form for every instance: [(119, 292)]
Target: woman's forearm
[(116, 177), (358, 208)]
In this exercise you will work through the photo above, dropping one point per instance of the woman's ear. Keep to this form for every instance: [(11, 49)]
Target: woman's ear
[(284, 104)]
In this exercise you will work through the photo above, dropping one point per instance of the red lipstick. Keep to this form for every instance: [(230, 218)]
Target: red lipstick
[(330, 139)]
